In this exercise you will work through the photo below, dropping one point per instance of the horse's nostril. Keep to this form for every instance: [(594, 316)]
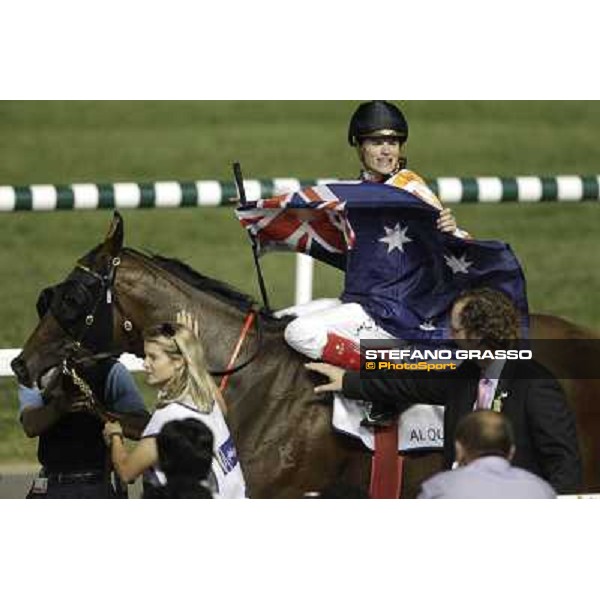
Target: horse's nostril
[(20, 370)]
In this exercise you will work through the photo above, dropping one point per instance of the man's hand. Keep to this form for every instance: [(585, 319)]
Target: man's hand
[(60, 394), (334, 374)]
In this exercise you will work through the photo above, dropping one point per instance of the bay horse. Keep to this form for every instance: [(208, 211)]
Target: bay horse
[(283, 432)]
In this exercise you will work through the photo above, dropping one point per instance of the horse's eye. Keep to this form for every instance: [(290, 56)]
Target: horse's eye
[(74, 301)]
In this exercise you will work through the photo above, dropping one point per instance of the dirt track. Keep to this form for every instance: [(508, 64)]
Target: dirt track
[(15, 481)]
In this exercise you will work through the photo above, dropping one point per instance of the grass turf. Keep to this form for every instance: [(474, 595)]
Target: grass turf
[(65, 142)]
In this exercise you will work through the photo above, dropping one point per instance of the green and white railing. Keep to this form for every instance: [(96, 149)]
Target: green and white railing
[(174, 194)]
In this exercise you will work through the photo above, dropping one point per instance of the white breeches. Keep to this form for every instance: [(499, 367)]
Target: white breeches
[(315, 320)]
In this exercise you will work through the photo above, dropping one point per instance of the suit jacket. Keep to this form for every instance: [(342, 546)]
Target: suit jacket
[(486, 477), (535, 404)]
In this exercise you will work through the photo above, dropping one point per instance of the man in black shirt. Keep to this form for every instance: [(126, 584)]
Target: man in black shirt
[(71, 448)]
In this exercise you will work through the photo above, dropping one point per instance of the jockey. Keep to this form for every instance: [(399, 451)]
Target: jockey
[(331, 329)]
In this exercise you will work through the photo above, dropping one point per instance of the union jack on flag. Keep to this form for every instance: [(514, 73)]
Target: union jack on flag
[(310, 221)]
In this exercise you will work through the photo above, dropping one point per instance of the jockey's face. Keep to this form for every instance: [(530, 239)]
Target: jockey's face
[(160, 367), (380, 155)]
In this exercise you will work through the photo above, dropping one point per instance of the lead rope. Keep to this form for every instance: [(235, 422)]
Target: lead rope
[(88, 394), (80, 383)]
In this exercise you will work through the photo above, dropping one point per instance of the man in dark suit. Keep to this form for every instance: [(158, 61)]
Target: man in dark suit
[(527, 394)]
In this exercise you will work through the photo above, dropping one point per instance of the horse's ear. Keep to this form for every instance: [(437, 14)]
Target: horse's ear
[(113, 243)]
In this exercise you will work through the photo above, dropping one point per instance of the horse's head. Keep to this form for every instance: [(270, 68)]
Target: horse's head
[(77, 314), (114, 293)]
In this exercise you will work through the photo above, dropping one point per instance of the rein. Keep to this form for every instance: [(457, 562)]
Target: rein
[(250, 317), (90, 400), (81, 384)]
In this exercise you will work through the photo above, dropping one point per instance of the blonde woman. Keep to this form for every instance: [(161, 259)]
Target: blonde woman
[(175, 365)]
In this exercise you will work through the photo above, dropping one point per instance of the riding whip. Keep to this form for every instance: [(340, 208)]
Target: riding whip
[(239, 182)]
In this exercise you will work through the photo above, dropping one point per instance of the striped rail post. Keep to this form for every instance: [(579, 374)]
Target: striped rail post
[(175, 194)]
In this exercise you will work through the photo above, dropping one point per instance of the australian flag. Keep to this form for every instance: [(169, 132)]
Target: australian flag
[(403, 271)]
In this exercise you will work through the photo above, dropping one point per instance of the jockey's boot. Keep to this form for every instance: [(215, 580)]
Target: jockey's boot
[(341, 352), (380, 415)]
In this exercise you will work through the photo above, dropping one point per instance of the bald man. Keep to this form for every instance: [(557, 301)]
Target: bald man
[(485, 446)]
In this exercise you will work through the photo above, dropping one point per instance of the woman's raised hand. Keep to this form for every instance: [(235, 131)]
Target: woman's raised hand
[(187, 319)]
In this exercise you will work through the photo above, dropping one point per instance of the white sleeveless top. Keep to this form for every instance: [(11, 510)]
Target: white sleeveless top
[(227, 480)]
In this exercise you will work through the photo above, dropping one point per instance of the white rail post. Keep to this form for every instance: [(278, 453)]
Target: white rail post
[(304, 278)]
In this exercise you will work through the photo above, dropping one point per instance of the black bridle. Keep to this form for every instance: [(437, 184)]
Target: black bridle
[(95, 298), (95, 333)]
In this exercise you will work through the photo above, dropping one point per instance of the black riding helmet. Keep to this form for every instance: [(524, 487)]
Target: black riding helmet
[(375, 116)]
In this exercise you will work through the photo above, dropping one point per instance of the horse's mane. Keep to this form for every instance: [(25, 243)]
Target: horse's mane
[(214, 287), (204, 283)]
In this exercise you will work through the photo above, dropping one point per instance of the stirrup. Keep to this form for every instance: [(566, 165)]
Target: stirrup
[(379, 416)]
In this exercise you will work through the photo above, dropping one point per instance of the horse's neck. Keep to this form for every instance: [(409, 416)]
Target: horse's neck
[(220, 327), (156, 297), (219, 324)]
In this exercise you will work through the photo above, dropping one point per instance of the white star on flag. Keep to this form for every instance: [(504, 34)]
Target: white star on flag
[(395, 237), (458, 265)]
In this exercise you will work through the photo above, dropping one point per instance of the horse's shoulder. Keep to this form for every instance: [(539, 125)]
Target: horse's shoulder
[(544, 326)]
